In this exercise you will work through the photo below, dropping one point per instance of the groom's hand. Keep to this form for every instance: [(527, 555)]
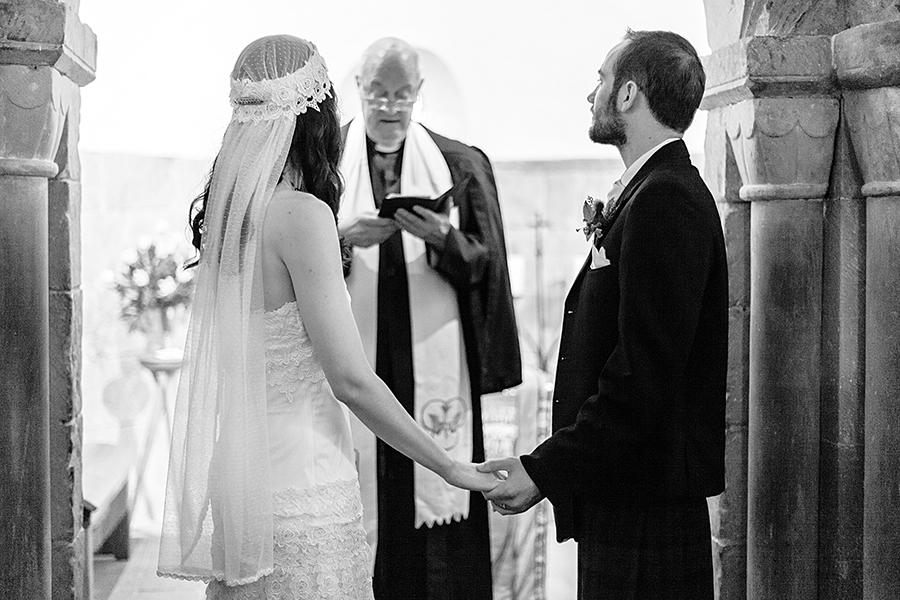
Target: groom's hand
[(517, 493)]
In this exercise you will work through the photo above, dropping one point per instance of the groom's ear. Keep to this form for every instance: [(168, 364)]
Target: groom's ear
[(628, 96)]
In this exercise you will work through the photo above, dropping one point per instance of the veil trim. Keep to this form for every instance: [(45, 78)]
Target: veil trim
[(214, 577), (284, 97)]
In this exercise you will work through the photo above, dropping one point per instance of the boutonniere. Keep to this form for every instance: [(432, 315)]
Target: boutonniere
[(594, 219)]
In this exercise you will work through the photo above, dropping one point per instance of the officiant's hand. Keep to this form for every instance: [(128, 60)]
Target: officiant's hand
[(366, 229), (517, 493), (467, 477), (431, 226)]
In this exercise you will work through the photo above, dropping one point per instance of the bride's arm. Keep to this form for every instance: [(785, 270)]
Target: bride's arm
[(301, 230)]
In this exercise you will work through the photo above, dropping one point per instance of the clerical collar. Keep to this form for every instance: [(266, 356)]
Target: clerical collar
[(382, 159), (370, 144)]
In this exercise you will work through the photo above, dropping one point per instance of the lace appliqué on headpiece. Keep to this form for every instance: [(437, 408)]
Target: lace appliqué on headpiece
[(286, 96)]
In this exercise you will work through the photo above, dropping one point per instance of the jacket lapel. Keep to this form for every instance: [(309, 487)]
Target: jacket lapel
[(672, 152), (575, 289)]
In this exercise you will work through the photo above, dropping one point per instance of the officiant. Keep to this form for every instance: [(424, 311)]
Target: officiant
[(431, 296)]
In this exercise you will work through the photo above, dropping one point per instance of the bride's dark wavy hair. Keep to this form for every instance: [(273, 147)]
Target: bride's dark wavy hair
[(315, 152)]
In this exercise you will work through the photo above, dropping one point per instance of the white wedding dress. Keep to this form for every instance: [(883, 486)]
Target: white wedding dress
[(320, 549)]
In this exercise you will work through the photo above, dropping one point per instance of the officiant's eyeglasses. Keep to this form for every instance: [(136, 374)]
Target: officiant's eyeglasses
[(382, 103)]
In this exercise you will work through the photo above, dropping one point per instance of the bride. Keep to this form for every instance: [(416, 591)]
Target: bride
[(262, 499)]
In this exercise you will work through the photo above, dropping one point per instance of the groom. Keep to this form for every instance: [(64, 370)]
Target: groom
[(639, 399)]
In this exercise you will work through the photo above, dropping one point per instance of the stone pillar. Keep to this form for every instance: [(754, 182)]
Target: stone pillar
[(865, 59), (24, 380), (843, 381), (45, 54), (772, 98), (786, 157), (728, 511)]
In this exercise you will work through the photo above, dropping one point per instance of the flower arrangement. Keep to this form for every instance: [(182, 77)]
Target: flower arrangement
[(152, 284)]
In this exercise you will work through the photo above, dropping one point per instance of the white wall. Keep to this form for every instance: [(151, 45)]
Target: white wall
[(524, 66)]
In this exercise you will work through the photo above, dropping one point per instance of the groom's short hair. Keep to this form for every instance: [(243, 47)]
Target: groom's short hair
[(666, 68)]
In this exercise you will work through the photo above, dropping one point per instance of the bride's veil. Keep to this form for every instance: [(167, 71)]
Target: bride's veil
[(217, 521)]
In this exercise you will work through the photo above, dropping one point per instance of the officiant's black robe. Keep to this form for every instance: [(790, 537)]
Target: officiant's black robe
[(449, 561)]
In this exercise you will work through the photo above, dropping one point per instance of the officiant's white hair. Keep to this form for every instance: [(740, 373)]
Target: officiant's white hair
[(390, 49)]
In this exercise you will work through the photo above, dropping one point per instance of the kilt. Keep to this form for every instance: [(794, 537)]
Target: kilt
[(659, 552)]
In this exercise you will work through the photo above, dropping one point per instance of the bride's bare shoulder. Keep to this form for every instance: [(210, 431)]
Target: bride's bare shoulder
[(300, 227), (292, 210)]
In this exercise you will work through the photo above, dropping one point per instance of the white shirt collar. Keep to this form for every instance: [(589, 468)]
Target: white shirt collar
[(631, 171)]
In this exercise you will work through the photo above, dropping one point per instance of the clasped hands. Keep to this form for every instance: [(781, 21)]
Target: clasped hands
[(368, 229), (516, 491), (504, 482)]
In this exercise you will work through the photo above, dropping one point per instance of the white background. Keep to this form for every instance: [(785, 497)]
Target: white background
[(524, 67)]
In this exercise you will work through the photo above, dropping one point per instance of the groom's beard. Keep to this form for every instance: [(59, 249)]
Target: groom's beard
[(608, 127)]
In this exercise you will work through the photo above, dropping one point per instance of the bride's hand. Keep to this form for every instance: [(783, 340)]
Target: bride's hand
[(466, 476)]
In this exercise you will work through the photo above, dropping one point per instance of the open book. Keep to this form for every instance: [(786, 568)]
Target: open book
[(441, 204)]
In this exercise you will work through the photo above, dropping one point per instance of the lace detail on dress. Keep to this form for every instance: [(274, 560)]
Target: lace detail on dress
[(320, 549), (289, 353), (336, 500)]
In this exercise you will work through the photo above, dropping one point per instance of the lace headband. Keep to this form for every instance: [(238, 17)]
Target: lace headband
[(286, 96)]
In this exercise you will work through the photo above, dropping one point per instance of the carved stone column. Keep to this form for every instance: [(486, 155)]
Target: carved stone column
[(784, 149), (773, 98), (24, 380), (45, 54), (867, 67)]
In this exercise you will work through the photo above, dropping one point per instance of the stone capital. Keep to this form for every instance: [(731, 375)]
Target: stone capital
[(873, 118), (48, 33), (868, 56), (783, 147), (33, 107), (768, 66)]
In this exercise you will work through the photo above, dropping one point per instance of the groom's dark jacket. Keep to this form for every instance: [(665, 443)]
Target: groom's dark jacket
[(639, 398)]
